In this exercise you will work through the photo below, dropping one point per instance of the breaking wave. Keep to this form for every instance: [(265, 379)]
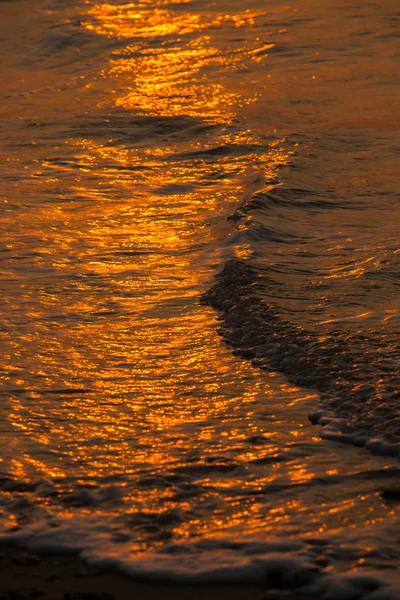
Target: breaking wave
[(355, 370)]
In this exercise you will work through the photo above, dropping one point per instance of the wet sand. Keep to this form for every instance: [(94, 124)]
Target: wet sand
[(29, 575)]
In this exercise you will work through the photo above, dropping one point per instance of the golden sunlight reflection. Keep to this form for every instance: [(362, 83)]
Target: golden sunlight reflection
[(174, 78), (145, 256), (138, 20), (116, 374)]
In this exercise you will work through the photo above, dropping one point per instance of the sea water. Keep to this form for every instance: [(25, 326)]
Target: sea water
[(200, 270)]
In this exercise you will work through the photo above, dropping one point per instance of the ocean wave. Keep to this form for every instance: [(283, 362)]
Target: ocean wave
[(299, 566), (358, 382)]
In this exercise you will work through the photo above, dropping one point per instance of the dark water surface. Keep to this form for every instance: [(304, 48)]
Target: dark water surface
[(180, 180)]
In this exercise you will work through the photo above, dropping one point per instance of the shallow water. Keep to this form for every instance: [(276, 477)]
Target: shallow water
[(147, 147)]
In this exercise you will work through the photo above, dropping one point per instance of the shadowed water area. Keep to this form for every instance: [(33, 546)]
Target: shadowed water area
[(199, 250)]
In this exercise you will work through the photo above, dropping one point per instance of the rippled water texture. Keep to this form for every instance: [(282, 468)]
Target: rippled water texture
[(146, 147)]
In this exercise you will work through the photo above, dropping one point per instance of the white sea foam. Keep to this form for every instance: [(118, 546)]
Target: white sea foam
[(292, 566), (358, 392)]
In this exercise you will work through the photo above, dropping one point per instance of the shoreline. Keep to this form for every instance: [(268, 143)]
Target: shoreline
[(27, 575)]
